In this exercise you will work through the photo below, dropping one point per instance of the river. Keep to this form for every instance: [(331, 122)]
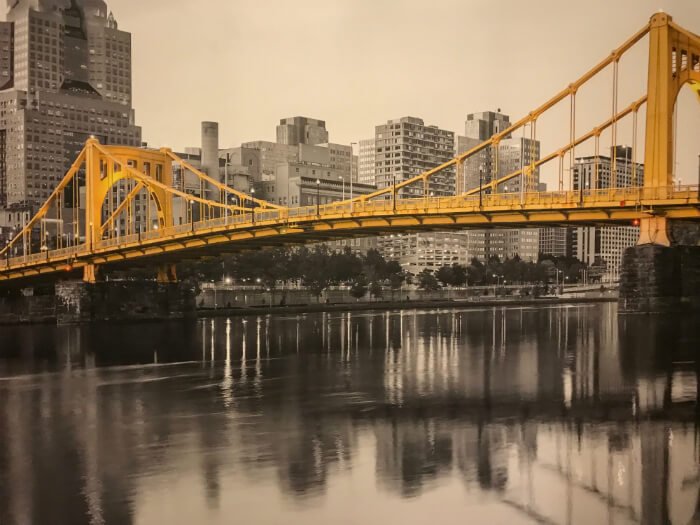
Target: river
[(566, 414)]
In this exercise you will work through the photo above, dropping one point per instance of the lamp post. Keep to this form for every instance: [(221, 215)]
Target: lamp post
[(318, 197), (393, 190), (343, 181), (481, 183), (252, 205), (352, 152)]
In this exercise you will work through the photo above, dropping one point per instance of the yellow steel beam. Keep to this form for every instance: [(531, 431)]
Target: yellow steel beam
[(47, 205)]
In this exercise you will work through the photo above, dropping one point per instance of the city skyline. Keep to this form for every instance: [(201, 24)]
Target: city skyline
[(305, 76)]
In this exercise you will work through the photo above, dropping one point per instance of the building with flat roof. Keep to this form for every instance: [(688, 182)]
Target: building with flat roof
[(491, 164), (302, 130), (404, 148), (367, 172), (606, 244)]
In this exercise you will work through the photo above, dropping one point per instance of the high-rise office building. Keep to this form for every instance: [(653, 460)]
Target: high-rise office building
[(404, 148), (491, 164), (606, 244), (65, 74), (367, 173)]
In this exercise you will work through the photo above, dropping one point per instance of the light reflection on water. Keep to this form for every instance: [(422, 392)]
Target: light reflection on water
[(557, 415)]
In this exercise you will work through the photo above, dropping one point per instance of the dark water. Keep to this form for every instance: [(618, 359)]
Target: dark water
[(503, 416)]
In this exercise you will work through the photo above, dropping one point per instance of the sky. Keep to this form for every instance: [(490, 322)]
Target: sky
[(358, 63)]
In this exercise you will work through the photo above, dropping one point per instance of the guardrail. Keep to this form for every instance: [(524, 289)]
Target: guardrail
[(358, 208)]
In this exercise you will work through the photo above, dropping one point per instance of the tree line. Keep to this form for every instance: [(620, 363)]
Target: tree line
[(318, 268)]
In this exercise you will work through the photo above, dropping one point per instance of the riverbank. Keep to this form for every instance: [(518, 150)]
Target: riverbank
[(399, 305)]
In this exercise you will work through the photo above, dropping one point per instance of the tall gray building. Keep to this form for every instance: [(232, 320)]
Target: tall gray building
[(367, 172), (65, 73), (606, 244), (491, 164), (404, 148)]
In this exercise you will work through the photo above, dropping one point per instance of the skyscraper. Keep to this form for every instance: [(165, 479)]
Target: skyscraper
[(491, 164), (606, 244), (65, 75), (404, 148)]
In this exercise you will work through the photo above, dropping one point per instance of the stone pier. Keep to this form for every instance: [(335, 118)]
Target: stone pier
[(662, 279), (80, 302)]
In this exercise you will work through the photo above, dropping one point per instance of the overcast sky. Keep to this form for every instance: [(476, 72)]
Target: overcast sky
[(357, 63)]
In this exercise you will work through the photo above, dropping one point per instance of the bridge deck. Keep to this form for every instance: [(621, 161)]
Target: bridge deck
[(365, 218)]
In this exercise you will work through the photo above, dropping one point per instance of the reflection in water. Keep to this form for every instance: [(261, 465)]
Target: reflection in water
[(559, 415)]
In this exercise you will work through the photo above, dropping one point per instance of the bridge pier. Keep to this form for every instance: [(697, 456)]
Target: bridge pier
[(662, 273)]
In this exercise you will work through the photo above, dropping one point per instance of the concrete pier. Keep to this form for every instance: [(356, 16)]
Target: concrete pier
[(80, 302), (660, 279)]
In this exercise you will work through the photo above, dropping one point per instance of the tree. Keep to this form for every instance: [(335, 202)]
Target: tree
[(444, 275), (459, 275), (317, 273), (376, 290), (359, 287), (427, 281)]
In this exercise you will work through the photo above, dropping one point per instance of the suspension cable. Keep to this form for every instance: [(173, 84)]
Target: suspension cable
[(613, 167)]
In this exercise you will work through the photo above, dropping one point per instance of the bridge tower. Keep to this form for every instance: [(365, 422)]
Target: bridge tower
[(674, 60), (656, 275)]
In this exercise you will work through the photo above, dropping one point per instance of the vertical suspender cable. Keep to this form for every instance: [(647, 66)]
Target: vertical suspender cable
[(572, 140), (634, 148), (613, 166), (675, 146), (596, 164)]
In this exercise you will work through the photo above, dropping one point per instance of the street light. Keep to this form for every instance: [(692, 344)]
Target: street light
[(343, 181), (191, 215), (252, 205), (393, 189), (481, 183), (352, 151), (318, 197)]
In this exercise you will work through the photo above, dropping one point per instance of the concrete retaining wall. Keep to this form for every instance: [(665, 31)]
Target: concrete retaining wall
[(78, 302)]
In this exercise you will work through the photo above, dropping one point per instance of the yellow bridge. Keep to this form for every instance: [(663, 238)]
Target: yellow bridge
[(114, 176)]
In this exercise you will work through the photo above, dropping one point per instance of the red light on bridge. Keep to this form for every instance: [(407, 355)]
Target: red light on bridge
[(635, 222)]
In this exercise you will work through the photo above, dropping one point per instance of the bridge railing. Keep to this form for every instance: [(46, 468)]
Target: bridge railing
[(492, 201)]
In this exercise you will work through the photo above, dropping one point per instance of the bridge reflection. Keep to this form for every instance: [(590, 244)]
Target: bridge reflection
[(561, 415)]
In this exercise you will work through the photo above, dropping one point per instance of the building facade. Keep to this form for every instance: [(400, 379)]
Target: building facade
[(605, 245), (302, 130), (491, 164), (404, 148), (68, 78), (555, 241), (367, 162)]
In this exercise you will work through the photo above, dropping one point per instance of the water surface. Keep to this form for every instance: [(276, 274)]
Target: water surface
[(503, 416)]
